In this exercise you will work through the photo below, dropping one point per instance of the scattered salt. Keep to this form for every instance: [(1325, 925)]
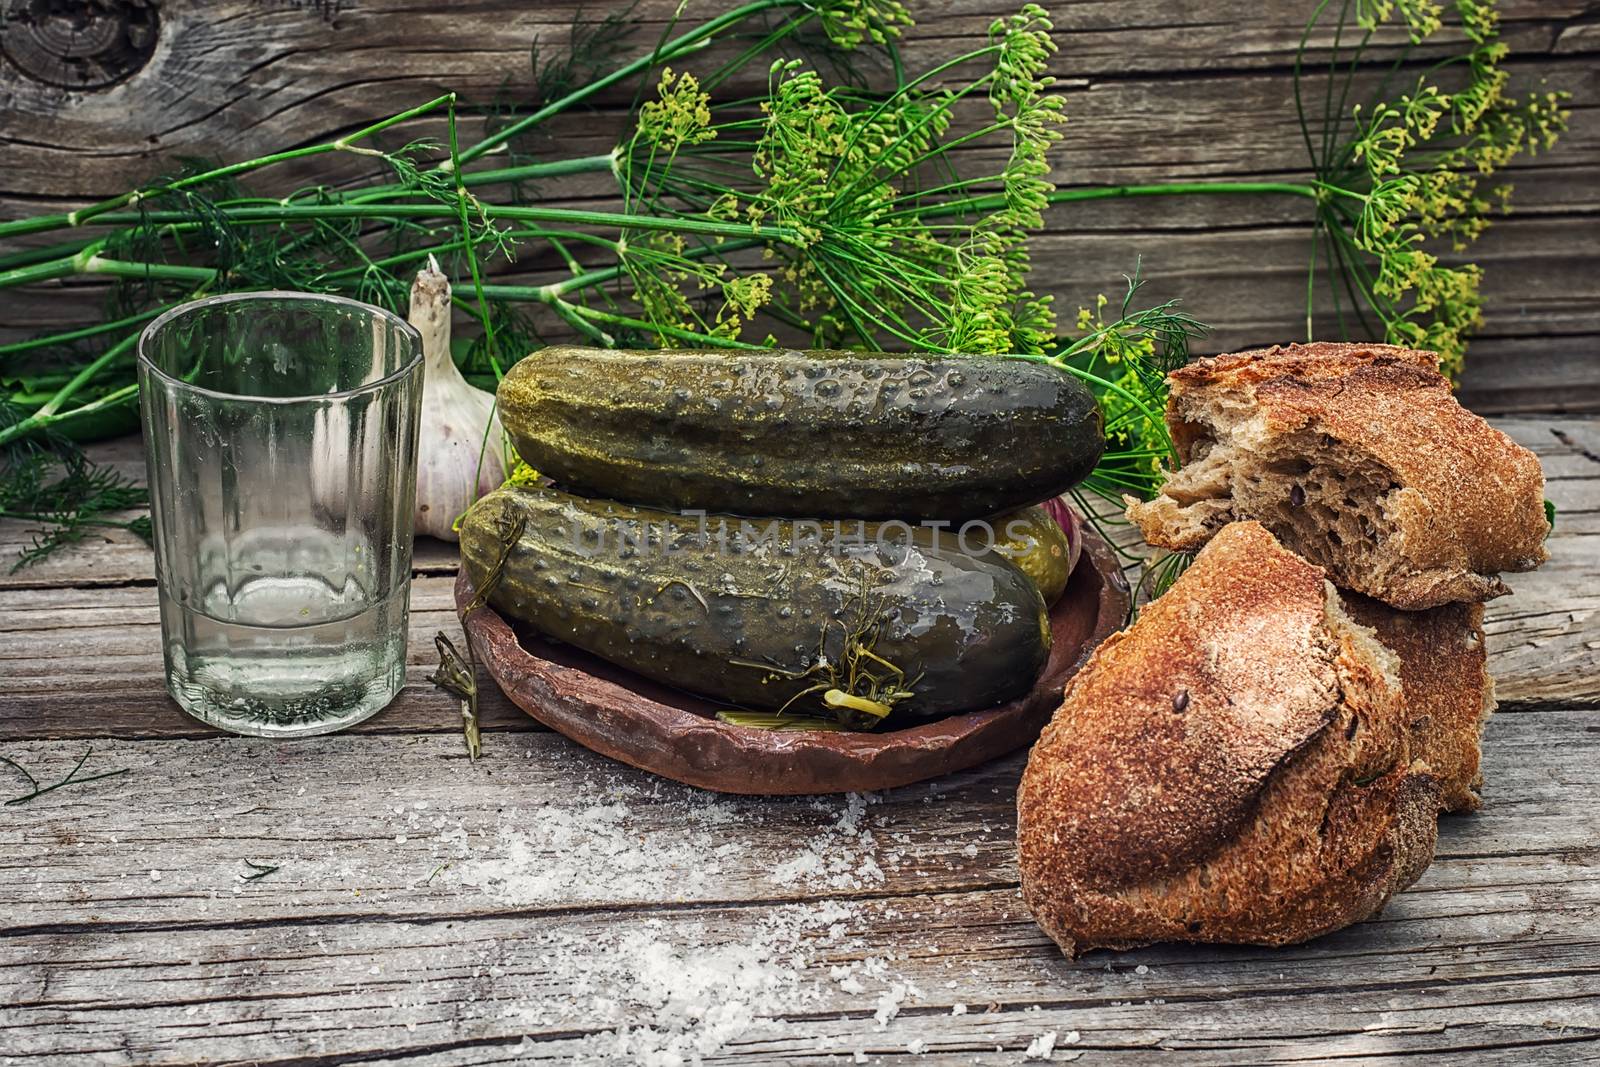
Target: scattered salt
[(1141, 969), (155, 876), (916, 1046), (671, 995), (958, 1009), (841, 856), (1041, 1047), (1072, 1037), (889, 1002)]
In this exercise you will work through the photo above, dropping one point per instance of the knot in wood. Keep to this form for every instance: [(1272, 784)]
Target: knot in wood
[(79, 44)]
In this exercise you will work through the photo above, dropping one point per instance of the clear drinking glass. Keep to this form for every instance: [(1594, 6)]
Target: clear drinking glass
[(281, 438)]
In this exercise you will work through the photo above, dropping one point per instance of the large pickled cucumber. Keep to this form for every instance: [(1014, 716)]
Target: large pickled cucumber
[(763, 613), (803, 433)]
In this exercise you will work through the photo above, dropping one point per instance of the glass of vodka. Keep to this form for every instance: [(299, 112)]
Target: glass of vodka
[(281, 442)]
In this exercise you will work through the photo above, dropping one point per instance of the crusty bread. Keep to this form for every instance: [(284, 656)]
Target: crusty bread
[(1447, 692), (1358, 458), (1233, 767)]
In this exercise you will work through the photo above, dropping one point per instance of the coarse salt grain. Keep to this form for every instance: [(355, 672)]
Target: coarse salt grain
[(1041, 1047), (889, 1002)]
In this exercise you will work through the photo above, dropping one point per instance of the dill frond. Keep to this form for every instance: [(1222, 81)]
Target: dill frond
[(1407, 189), (54, 487)]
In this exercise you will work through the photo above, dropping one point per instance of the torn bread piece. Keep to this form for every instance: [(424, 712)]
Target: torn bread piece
[(1233, 767), (1358, 458), (1446, 688)]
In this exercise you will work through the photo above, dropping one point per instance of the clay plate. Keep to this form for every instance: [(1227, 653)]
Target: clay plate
[(677, 735)]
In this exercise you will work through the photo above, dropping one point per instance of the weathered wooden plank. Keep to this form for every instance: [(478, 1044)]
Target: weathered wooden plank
[(359, 944), (60, 637), (1138, 128), (1531, 374), (408, 828), (563, 989), (250, 77)]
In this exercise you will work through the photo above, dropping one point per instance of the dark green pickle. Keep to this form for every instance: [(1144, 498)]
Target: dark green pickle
[(761, 613), (779, 432)]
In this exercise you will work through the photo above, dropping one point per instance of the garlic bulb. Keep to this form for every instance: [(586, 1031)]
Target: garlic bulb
[(454, 414)]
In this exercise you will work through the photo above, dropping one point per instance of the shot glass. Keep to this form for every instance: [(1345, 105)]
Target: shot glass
[(281, 442)]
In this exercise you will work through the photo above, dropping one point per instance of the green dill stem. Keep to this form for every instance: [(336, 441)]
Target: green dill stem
[(1299, 60), (603, 275), (1311, 287), (413, 255), (36, 790), (29, 256), (89, 261), (64, 267), (595, 315), (523, 213), (995, 201), (79, 334), (50, 410), (343, 144)]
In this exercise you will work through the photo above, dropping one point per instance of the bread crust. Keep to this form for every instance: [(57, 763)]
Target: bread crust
[(1461, 503), (1447, 691), (1234, 767)]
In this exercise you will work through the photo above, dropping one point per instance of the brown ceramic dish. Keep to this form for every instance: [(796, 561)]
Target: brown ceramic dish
[(677, 735)]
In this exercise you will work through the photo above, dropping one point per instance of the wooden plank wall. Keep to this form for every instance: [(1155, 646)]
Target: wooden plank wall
[(1156, 90)]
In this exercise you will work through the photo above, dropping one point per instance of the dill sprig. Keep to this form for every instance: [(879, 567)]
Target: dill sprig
[(258, 871), (1409, 181), (1400, 179), (851, 685), (35, 790), (1125, 360), (51, 484)]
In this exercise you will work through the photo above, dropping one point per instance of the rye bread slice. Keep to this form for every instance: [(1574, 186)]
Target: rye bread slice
[(1357, 457)]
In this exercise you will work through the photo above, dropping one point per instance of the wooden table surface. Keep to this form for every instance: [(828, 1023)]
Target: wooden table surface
[(545, 904)]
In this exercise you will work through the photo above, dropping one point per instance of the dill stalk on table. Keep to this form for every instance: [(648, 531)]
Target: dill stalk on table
[(71, 778)]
